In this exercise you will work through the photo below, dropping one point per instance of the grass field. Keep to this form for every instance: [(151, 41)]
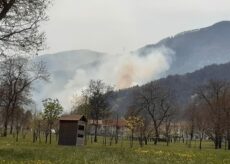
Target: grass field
[(25, 151)]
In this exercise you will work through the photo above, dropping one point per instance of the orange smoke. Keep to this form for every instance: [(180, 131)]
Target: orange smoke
[(125, 76)]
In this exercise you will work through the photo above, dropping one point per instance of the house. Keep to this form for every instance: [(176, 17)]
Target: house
[(72, 130), (108, 126), (114, 125)]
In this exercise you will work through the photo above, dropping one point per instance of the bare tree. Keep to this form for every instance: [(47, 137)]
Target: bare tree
[(19, 26), (201, 122), (190, 115), (227, 119), (215, 95), (158, 102), (168, 121), (16, 78), (22, 121)]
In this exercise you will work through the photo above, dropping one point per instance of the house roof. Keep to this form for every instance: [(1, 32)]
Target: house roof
[(93, 122), (72, 117), (120, 123)]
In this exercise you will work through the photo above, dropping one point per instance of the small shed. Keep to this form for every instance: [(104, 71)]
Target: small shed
[(72, 130)]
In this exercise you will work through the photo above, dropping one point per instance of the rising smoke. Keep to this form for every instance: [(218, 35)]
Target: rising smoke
[(120, 70)]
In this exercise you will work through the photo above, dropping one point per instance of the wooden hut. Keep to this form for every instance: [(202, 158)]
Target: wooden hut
[(72, 130)]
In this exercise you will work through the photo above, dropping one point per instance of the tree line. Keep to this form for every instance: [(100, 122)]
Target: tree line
[(205, 117), (155, 114), (208, 113)]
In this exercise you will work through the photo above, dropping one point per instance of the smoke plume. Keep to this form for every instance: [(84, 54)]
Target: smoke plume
[(120, 70)]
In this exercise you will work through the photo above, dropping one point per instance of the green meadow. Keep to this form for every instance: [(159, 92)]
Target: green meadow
[(25, 151)]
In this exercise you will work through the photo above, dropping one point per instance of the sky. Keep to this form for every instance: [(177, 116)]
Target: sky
[(115, 26)]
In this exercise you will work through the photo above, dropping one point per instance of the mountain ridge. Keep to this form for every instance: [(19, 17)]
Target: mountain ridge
[(183, 86), (192, 50), (196, 48)]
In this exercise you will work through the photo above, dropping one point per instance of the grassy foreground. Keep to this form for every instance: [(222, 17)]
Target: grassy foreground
[(25, 151)]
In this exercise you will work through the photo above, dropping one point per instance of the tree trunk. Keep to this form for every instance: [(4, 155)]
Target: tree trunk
[(220, 142), (57, 134), (34, 137), (228, 143), (91, 138), (156, 136), (11, 126), (17, 132), (46, 135), (191, 138), (5, 126), (116, 136), (228, 139), (95, 133), (168, 139), (105, 139), (86, 134), (146, 140), (200, 146), (7, 109), (50, 131), (111, 140), (39, 132), (141, 138), (131, 142), (216, 142)]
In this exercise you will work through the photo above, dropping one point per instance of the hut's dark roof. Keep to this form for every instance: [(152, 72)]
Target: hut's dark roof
[(74, 117)]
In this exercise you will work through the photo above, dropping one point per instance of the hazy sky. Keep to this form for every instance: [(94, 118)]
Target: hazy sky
[(116, 25)]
